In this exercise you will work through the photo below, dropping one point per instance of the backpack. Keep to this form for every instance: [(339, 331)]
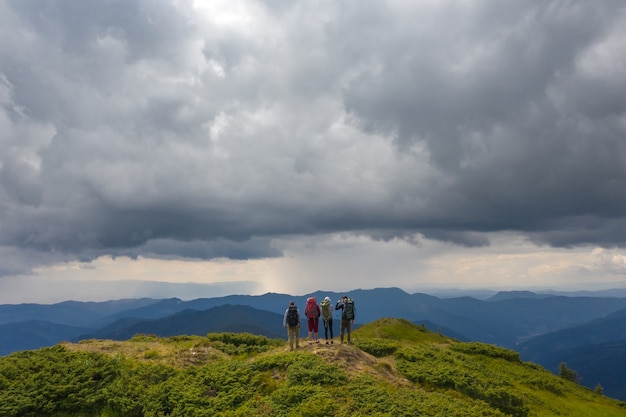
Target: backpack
[(311, 310), (292, 316), (326, 312), (348, 309)]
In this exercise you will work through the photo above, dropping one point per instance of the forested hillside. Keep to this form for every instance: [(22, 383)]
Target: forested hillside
[(393, 368)]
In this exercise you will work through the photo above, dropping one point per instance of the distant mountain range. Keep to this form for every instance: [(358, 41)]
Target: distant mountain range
[(226, 318), (586, 332), (596, 350), (33, 334)]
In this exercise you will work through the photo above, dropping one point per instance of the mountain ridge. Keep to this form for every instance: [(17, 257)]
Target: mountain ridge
[(505, 322)]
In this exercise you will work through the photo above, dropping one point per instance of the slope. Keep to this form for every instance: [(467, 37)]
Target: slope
[(394, 369), (591, 349)]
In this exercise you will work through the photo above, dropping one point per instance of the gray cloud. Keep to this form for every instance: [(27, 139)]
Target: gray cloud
[(153, 128)]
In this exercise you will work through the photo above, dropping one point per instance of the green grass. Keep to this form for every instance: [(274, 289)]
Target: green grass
[(400, 330), (394, 368)]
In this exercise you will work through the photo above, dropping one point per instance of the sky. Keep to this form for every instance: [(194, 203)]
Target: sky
[(279, 146)]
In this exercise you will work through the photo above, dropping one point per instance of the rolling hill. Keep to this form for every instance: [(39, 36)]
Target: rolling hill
[(393, 368)]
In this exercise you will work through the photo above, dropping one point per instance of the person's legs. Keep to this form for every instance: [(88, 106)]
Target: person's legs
[(316, 327), (349, 328), (290, 336), (330, 327), (325, 330), (297, 331), (310, 327), (341, 331)]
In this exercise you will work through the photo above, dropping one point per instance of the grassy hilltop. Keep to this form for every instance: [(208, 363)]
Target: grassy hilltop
[(393, 368)]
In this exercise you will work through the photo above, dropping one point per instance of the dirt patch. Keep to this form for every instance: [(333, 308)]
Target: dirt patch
[(355, 361), (177, 355)]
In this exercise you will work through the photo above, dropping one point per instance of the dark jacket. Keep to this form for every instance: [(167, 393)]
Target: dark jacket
[(285, 317), (340, 306)]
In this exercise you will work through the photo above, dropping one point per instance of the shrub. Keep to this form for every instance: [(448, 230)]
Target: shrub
[(545, 382), (477, 348), (442, 370), (144, 338), (504, 400), (152, 354), (566, 373), (239, 339), (377, 347), (235, 344), (54, 381), (313, 370), (288, 397)]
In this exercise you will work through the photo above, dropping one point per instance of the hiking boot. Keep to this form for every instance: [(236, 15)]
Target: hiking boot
[(331, 342)]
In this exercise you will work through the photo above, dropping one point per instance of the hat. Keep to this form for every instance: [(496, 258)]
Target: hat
[(327, 299)]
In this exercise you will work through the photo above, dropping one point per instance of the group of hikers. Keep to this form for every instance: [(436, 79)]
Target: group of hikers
[(313, 312)]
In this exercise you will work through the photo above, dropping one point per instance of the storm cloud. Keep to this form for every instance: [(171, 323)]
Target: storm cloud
[(204, 130)]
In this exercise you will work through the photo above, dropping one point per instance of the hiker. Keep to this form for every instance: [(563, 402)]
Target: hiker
[(346, 305), (312, 313), (327, 318), (291, 322)]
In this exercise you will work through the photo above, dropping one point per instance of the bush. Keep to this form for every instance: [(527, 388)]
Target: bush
[(239, 339), (443, 370), (545, 383), (54, 381), (288, 397), (151, 354), (144, 338), (477, 348), (236, 344), (566, 373), (312, 370), (377, 347)]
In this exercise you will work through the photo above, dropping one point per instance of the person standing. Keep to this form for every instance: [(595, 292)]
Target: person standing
[(348, 313), (291, 322), (312, 313), (327, 318)]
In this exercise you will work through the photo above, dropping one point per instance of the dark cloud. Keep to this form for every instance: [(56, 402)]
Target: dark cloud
[(499, 95), (154, 128), (217, 248)]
